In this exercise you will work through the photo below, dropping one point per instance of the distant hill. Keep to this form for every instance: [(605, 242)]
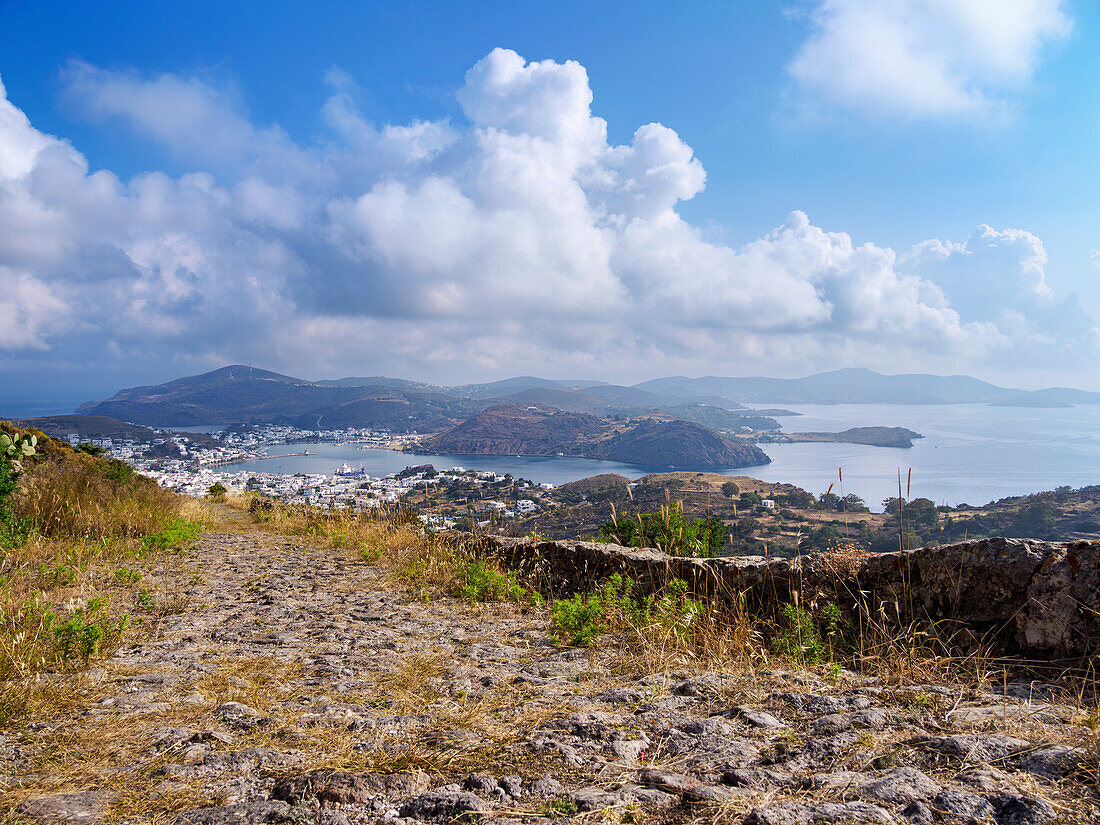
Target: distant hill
[(382, 381), (562, 399), (87, 427), (845, 386), (677, 443), (720, 419), (617, 396), (1052, 397), (389, 408), (516, 429), (507, 386), (581, 488), (240, 394)]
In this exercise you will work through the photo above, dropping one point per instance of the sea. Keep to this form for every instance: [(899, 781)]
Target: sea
[(970, 454)]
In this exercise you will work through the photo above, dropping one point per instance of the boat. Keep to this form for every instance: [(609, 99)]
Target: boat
[(346, 471), (308, 452)]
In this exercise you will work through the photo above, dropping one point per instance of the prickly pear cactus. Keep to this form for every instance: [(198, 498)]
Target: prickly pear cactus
[(15, 449)]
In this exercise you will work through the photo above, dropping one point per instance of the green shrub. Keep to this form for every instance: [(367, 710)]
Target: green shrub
[(578, 620), (117, 471), (371, 551), (13, 449)]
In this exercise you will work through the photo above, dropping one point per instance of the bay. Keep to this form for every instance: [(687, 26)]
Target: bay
[(971, 453)]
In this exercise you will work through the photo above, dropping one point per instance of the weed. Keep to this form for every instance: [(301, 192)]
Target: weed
[(798, 637), (371, 551), (616, 604), (79, 497), (86, 634), (559, 808), (176, 533), (667, 530), (59, 576), (127, 575), (146, 601), (482, 583)]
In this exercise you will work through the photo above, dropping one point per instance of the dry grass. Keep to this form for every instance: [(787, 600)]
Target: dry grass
[(88, 531), (92, 500)]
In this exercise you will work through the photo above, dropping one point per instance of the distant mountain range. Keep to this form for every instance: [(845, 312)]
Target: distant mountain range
[(240, 394), (862, 386)]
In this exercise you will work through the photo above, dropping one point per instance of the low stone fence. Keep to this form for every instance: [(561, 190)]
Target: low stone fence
[(1021, 596)]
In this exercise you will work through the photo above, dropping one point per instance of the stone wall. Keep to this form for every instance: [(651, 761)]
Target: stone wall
[(1016, 595)]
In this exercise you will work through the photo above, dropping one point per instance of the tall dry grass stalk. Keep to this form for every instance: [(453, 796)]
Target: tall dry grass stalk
[(79, 499)]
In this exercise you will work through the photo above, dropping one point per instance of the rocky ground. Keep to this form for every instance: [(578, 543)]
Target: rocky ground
[(298, 683)]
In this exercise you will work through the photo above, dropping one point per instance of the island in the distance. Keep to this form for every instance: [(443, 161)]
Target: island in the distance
[(536, 429), (871, 436)]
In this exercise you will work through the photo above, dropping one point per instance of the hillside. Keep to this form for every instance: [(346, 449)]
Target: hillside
[(719, 418), (515, 429), (263, 665), (86, 427), (390, 408), (241, 394)]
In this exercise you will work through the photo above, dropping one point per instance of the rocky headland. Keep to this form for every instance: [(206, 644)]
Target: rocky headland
[(517, 429)]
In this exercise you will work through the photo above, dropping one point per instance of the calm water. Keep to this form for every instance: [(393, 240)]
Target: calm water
[(539, 469), (971, 453)]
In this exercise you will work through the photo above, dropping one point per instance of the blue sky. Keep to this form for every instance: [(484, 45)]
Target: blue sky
[(243, 199)]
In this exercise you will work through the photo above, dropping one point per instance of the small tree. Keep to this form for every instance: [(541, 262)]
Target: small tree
[(852, 503), (217, 491), (729, 489)]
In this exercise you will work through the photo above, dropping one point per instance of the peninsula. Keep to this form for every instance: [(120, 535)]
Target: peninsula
[(516, 429)]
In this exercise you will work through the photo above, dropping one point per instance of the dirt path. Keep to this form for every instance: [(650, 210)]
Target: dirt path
[(275, 680)]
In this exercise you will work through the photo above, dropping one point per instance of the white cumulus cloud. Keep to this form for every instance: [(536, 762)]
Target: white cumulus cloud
[(924, 58)]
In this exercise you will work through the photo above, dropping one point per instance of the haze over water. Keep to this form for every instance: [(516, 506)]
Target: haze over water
[(971, 453)]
